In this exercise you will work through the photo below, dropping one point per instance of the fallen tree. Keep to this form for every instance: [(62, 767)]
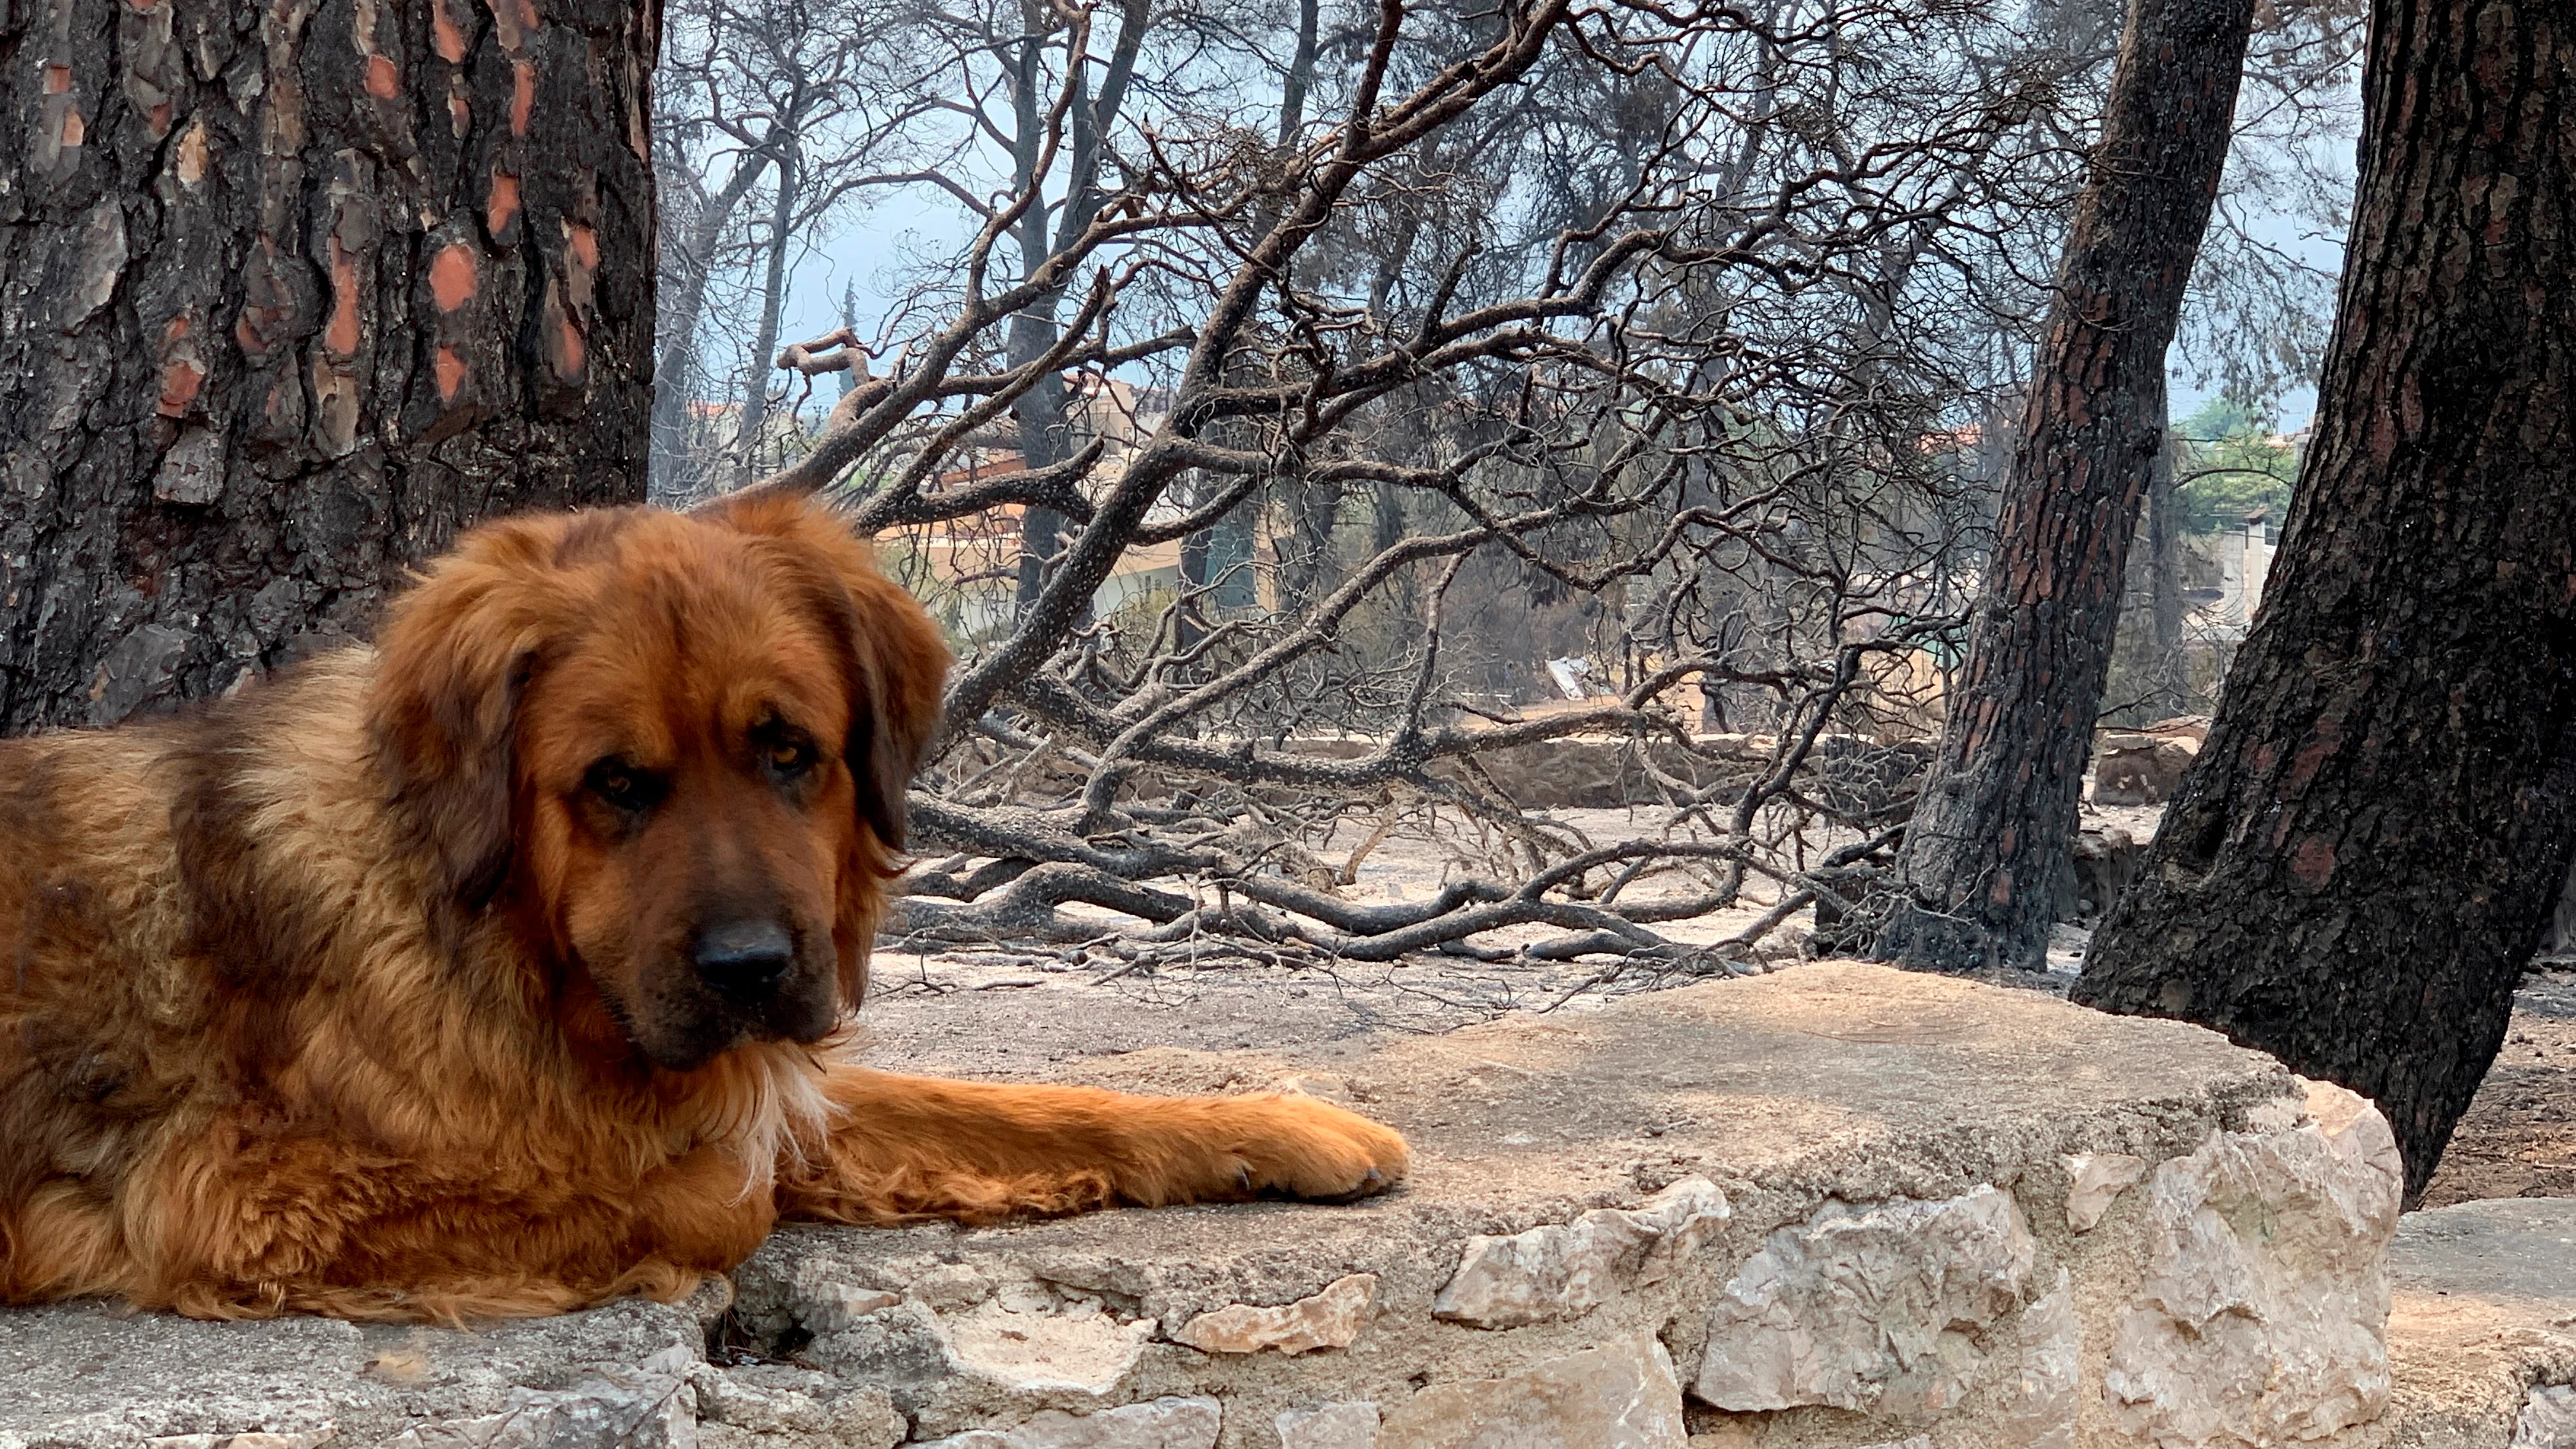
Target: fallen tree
[(1687, 406)]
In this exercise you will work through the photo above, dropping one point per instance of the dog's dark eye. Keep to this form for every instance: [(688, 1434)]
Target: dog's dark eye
[(620, 784), (788, 757)]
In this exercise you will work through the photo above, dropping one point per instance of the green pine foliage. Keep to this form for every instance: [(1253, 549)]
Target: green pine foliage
[(2234, 467)]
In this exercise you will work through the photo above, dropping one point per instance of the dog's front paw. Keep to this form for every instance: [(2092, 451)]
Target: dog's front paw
[(1291, 1146)]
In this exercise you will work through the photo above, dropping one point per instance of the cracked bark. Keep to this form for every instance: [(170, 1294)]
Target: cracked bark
[(1988, 854), (290, 292), (2380, 822)]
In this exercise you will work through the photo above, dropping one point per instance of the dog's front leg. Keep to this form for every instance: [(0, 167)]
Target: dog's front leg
[(904, 1148)]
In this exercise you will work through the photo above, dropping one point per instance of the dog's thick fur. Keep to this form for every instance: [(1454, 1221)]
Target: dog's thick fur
[(410, 985)]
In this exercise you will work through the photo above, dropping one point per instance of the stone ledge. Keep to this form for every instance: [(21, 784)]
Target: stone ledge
[(1835, 1207)]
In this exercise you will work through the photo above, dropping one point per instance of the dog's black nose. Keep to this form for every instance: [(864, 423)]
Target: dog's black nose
[(744, 957)]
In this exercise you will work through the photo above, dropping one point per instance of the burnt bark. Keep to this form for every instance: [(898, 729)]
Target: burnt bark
[(754, 428), (2164, 583), (1988, 853), (688, 264), (2379, 824), (290, 292)]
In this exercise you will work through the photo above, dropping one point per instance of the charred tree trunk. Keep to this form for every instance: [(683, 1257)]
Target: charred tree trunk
[(1987, 856), (688, 263), (2164, 583), (289, 293), (2378, 827), (754, 426)]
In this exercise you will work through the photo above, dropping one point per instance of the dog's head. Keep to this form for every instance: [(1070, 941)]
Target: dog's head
[(671, 749)]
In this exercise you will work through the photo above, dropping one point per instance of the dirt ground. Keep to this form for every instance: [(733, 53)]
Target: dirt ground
[(2519, 1137), (1035, 1011)]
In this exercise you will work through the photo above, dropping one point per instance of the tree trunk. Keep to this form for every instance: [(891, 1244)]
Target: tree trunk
[(754, 421), (289, 294), (1988, 855), (2164, 583), (690, 270), (2385, 810)]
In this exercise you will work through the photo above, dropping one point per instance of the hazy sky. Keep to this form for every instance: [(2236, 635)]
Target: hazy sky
[(869, 252)]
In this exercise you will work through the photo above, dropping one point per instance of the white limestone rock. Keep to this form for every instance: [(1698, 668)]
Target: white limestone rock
[(2094, 1181), (1564, 1270), (1350, 1425), (1043, 1350), (652, 1407), (1017, 1334), (1328, 1319), (255, 1439), (1868, 1307), (1167, 1423), (1621, 1395), (2041, 1413), (2264, 1314), (775, 1406), (2548, 1420)]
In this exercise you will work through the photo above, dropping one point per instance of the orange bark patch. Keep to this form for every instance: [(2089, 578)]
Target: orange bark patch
[(192, 155), (58, 79), (523, 96), (451, 276), (513, 21), (584, 244), (503, 207), (384, 82), (341, 333), (460, 111), (451, 373), (569, 350), (179, 384), (445, 35), (2323, 742), (158, 118), (2313, 863), (74, 129)]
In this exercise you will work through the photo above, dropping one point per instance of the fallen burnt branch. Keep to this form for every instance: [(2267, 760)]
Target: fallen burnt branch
[(1518, 503)]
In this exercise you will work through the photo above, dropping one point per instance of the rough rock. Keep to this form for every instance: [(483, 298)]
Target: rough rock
[(1329, 1426), (2262, 1317), (2145, 767), (2548, 1419), (1330, 1319), (2043, 1405), (85, 1376), (1868, 1307), (1622, 1395), (2094, 1181), (1861, 1122), (254, 1440), (779, 1406), (1568, 1269), (649, 1407), (1041, 1349), (1166, 1423), (2106, 859)]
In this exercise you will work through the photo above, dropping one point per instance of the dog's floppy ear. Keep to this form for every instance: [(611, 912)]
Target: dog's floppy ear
[(903, 668), (899, 661), (452, 659)]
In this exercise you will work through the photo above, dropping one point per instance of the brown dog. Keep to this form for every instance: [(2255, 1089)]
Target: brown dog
[(475, 973)]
